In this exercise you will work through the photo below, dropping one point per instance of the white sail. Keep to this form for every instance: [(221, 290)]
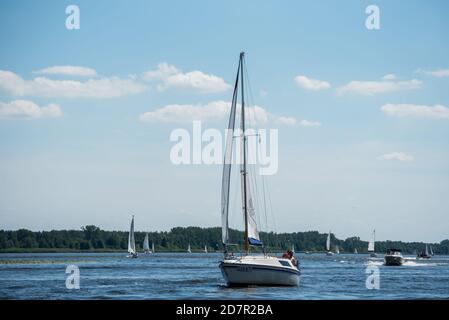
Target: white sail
[(227, 161), (431, 251), (205, 249), (427, 250), (337, 250), (146, 244), (131, 241), (253, 234), (355, 251), (372, 242), (152, 247), (293, 248), (328, 242), (188, 249)]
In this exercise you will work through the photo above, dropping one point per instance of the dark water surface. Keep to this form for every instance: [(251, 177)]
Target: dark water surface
[(196, 276)]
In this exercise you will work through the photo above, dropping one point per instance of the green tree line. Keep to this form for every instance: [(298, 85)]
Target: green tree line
[(177, 239)]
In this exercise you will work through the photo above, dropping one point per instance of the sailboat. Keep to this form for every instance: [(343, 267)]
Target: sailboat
[(131, 242), (371, 245), (205, 249), (328, 245), (355, 251), (189, 250), (246, 269), (431, 251), (337, 250), (152, 247), (293, 248), (146, 245), (424, 254)]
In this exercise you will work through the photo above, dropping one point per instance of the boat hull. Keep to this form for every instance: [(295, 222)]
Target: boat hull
[(329, 253), (237, 273), (393, 261)]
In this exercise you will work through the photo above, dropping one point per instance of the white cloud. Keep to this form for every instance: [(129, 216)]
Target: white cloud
[(69, 71), (216, 110), (307, 123), (289, 121), (45, 87), (311, 84), (389, 76), (197, 81), (28, 109), (399, 156), (416, 111), (440, 73), (374, 87)]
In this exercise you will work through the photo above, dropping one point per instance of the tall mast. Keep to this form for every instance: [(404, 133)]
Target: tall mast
[(244, 173)]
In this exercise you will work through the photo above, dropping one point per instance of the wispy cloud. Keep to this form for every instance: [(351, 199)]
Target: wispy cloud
[(376, 87), (416, 111), (311, 84), (28, 109), (398, 156), (307, 123), (171, 77), (440, 73), (92, 88), (216, 110), (389, 76), (69, 71)]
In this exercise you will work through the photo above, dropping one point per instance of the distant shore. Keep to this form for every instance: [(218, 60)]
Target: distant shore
[(93, 239)]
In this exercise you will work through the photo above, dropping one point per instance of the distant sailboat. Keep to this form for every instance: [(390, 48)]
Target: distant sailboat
[(189, 250), (424, 254), (293, 248), (431, 251), (205, 249), (371, 245), (337, 250), (131, 242), (146, 245), (152, 247), (355, 251), (328, 245)]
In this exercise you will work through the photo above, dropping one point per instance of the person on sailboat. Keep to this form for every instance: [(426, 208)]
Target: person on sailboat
[(289, 255)]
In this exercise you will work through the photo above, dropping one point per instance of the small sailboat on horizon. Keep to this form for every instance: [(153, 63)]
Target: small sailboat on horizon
[(371, 245), (189, 249), (328, 245), (146, 245), (132, 253), (424, 254), (205, 249)]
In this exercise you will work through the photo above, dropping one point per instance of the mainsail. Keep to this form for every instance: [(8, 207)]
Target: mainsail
[(146, 244), (188, 249), (131, 241), (431, 251), (205, 249), (337, 250), (226, 179), (328, 242), (371, 242), (152, 247), (251, 233)]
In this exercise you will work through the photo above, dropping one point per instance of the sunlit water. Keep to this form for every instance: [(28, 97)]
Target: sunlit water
[(196, 276)]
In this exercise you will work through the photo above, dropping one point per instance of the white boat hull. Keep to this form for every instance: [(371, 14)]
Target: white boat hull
[(259, 271)]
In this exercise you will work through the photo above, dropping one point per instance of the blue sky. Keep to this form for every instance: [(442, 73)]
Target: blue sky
[(79, 153)]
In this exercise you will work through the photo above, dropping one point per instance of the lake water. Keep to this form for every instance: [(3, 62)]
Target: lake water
[(196, 276)]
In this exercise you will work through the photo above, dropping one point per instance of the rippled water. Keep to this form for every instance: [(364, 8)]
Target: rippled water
[(196, 276)]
